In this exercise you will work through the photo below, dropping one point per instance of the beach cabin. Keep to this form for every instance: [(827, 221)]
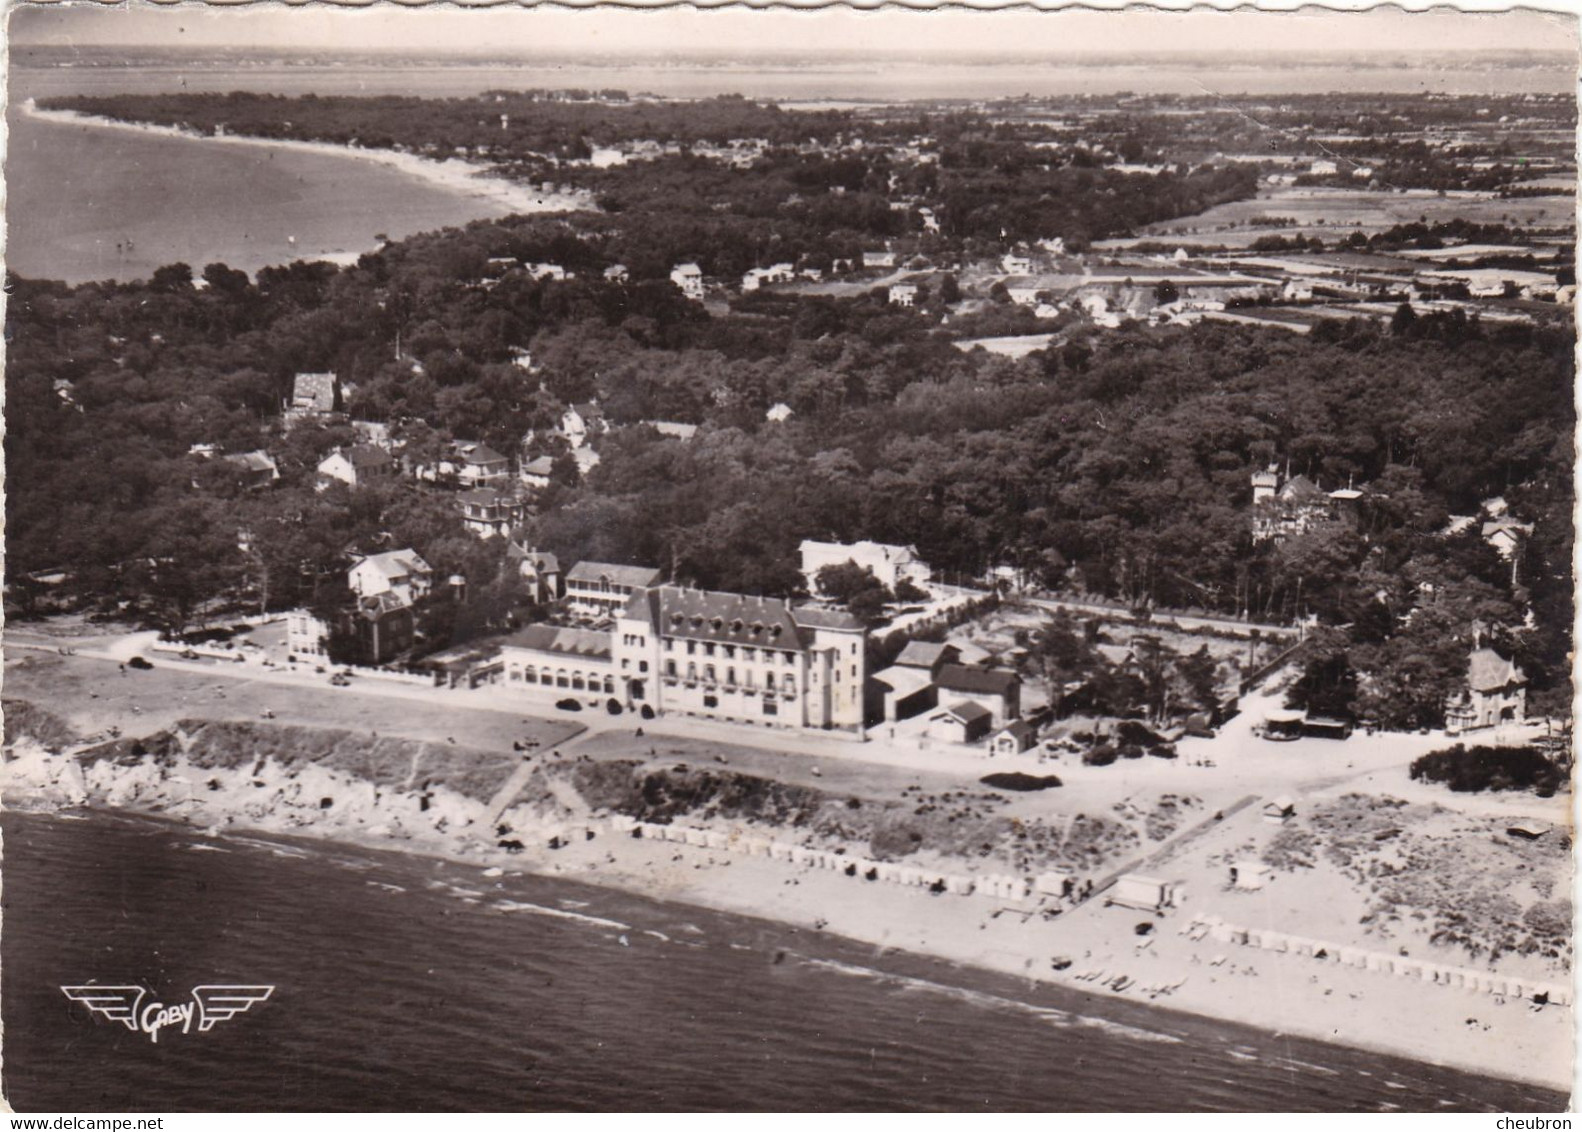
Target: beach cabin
[(1280, 810), (1013, 739), (1144, 893), (1250, 874)]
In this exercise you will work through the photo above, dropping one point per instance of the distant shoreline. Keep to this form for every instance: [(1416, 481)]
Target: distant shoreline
[(464, 178)]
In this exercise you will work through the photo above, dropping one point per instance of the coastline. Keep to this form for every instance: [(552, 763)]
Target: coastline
[(464, 178), (974, 934)]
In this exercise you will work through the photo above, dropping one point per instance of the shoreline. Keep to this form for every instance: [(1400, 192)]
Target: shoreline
[(891, 918), (464, 178)]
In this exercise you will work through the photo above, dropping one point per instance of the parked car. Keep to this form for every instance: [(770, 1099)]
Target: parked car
[(569, 704), (138, 662), (341, 680)]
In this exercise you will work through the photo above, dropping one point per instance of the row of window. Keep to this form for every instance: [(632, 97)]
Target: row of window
[(787, 682), (770, 707), (730, 651), (560, 678)]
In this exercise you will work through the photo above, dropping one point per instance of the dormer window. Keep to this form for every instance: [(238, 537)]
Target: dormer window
[(774, 630), (715, 624), (736, 625)]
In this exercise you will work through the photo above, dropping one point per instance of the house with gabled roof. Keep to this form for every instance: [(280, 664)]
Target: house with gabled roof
[(689, 278), (998, 689), (357, 466), (1495, 693), (1015, 738), (489, 513), (539, 569), (312, 395), (401, 572), (254, 470), (478, 465), (599, 589), (962, 722)]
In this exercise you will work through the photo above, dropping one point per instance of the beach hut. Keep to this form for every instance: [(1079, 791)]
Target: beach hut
[(1147, 894), (1279, 810), (1250, 874)]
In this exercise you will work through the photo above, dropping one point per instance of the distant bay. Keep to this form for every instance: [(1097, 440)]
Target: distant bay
[(89, 202)]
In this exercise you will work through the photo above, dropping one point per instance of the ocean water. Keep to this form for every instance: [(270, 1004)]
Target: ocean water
[(87, 204), (404, 983)]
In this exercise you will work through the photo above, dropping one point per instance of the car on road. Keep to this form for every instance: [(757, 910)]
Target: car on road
[(341, 680), (569, 704), (138, 662)]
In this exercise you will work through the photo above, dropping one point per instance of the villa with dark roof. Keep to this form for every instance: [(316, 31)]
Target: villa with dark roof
[(599, 589)]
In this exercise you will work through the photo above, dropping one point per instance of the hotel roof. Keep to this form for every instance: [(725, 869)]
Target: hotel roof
[(638, 577)]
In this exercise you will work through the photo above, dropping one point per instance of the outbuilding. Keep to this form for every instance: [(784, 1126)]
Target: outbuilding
[(1145, 893), (962, 722), (1013, 739)]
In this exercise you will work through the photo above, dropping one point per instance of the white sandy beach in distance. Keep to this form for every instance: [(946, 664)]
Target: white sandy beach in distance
[(453, 174)]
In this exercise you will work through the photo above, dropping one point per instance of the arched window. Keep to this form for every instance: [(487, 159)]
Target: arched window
[(609, 686), (789, 683), (692, 672), (560, 678), (730, 676), (576, 681), (769, 681), (670, 668), (708, 673)]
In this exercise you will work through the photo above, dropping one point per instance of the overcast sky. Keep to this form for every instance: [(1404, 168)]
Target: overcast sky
[(673, 30)]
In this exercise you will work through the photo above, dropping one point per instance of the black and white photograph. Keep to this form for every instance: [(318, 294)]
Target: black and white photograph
[(604, 560)]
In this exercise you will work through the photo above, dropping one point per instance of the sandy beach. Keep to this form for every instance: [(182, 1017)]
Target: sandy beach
[(464, 177), (1173, 966)]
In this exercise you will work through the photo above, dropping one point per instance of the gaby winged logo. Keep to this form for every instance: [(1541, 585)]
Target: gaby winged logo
[(211, 1003)]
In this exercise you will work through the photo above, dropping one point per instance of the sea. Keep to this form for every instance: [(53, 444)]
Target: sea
[(405, 983), (88, 203)]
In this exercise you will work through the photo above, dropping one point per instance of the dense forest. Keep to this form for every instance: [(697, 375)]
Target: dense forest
[(1112, 464)]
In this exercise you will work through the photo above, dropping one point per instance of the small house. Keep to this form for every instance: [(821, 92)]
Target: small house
[(689, 278), (1013, 739), (535, 473), (903, 295), (962, 722), (357, 466), (480, 465), (253, 470)]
